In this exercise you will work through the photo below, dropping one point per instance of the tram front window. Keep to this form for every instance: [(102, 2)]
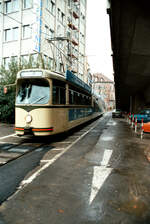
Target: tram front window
[(33, 92)]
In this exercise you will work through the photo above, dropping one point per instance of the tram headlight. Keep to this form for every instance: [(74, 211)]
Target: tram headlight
[(28, 118)]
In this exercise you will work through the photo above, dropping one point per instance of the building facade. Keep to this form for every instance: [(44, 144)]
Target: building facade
[(53, 29), (105, 88)]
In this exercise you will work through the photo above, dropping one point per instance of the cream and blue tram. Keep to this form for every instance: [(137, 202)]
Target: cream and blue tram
[(48, 103)]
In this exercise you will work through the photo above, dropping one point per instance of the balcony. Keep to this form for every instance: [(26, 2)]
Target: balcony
[(75, 12), (72, 38), (74, 41), (72, 26), (73, 53)]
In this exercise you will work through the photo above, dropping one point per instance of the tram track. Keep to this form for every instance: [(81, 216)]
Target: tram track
[(20, 167), (17, 151), (12, 151)]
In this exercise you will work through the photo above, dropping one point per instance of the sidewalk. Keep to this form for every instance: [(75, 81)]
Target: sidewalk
[(109, 184)]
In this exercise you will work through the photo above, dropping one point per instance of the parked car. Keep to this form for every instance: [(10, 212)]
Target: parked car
[(146, 127), (117, 113), (143, 114)]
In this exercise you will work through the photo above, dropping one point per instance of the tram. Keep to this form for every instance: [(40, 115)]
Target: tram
[(48, 103)]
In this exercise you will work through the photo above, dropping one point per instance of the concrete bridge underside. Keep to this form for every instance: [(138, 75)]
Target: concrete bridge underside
[(130, 35)]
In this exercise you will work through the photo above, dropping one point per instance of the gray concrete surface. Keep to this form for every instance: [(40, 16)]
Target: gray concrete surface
[(103, 184)]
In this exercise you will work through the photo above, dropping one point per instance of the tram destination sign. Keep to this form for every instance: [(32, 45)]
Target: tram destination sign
[(26, 74), (75, 80)]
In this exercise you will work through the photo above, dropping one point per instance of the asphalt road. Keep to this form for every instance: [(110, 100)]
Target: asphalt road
[(13, 173), (99, 176)]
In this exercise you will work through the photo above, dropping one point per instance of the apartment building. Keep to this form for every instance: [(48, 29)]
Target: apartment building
[(104, 87), (53, 29)]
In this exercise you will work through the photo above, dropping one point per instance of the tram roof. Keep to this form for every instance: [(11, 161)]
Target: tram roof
[(42, 73)]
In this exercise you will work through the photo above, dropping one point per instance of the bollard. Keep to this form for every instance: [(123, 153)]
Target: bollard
[(142, 130), (132, 124), (135, 125), (129, 118), (142, 123), (142, 134)]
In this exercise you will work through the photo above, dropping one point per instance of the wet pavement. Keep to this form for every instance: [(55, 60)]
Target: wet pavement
[(102, 182)]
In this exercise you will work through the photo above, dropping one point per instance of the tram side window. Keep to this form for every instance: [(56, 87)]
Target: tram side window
[(96, 107), (59, 92), (71, 97), (77, 98)]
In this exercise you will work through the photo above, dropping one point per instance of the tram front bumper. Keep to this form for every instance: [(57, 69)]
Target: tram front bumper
[(33, 131), (24, 131)]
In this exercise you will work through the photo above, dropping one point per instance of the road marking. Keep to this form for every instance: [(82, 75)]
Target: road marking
[(18, 150), (106, 157), (100, 174), (3, 163), (11, 143), (45, 161), (39, 150), (33, 176), (7, 136), (57, 149)]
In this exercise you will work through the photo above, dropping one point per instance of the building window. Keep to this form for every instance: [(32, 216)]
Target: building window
[(24, 59), (11, 34), (11, 6), (83, 2), (27, 4), (15, 33), (45, 60), (62, 17), (26, 31), (46, 32), (61, 67), (50, 63), (52, 7), (58, 14), (0, 7), (6, 62), (47, 4), (15, 5), (8, 35), (14, 59), (69, 3), (51, 33), (34, 59), (8, 7)]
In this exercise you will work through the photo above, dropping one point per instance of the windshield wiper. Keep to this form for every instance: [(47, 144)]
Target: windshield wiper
[(37, 100)]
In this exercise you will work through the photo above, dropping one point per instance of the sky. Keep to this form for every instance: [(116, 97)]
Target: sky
[(98, 43)]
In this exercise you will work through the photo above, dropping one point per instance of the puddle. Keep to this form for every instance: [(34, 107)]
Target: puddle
[(112, 123), (135, 207), (124, 171), (107, 138)]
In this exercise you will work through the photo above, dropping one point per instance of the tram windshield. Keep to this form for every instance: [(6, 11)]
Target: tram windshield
[(33, 91)]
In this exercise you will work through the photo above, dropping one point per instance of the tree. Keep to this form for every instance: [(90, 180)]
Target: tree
[(8, 78)]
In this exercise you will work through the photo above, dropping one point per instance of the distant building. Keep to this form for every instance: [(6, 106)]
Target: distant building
[(88, 76), (105, 88), (55, 29)]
